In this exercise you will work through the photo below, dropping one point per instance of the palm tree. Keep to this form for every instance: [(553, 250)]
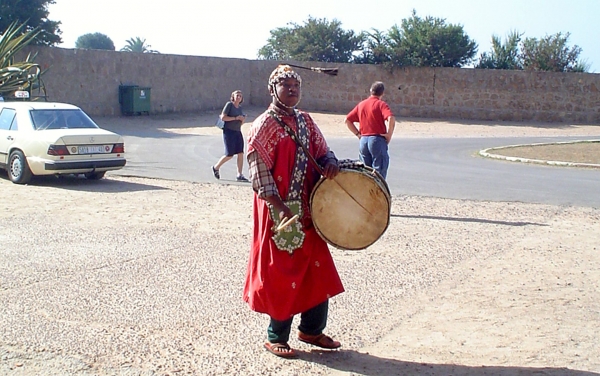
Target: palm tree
[(23, 75), (375, 48), (502, 56), (138, 44)]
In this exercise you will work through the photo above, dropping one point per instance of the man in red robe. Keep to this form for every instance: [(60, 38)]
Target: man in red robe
[(290, 270)]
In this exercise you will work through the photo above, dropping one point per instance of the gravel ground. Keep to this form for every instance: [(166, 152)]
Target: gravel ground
[(132, 276)]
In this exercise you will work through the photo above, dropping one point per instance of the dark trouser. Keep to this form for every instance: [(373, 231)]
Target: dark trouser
[(312, 322)]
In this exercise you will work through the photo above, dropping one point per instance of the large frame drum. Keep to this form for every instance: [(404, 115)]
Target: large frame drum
[(351, 211)]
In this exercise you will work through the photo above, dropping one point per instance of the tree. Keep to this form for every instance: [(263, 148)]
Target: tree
[(430, 42), (137, 45), (95, 41), (552, 53), (316, 40), (17, 75), (503, 56), (33, 14), (375, 48)]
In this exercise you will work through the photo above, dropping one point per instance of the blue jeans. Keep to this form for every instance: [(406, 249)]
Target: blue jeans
[(373, 152)]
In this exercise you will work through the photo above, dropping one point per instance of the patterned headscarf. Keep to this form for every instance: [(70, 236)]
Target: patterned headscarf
[(282, 72)]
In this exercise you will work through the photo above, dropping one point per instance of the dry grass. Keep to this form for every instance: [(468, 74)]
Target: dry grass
[(577, 152)]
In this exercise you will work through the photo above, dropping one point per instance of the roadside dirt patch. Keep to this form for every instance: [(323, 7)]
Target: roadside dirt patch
[(576, 152)]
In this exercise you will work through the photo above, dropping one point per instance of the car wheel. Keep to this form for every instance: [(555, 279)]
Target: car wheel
[(95, 175), (18, 169)]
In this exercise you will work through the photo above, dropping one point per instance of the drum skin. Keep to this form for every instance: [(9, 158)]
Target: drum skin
[(351, 211)]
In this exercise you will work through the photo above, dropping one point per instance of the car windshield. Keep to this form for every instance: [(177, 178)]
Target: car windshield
[(61, 119)]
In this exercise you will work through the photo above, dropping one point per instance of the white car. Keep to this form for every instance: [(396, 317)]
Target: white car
[(46, 138)]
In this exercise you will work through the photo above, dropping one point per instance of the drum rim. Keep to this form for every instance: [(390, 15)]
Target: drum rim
[(387, 195)]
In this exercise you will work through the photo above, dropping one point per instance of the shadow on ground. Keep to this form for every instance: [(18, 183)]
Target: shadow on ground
[(80, 183), (357, 363)]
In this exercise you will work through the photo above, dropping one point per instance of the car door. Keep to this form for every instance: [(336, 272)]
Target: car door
[(8, 128)]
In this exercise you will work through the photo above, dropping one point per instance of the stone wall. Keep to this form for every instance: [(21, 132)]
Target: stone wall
[(91, 78)]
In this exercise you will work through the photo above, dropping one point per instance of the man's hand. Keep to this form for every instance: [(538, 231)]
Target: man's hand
[(280, 207), (388, 137), (352, 128), (331, 169), (391, 125)]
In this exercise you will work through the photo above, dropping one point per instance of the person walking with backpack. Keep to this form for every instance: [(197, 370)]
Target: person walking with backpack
[(234, 117)]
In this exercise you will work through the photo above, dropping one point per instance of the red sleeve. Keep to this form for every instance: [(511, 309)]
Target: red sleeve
[(385, 110), (353, 115)]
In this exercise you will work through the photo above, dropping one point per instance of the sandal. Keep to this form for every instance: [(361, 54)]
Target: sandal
[(320, 340), (215, 172), (282, 350)]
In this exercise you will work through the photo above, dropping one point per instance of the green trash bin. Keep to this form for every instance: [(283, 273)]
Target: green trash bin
[(134, 99)]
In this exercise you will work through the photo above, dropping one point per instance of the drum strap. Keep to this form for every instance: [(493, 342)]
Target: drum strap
[(292, 237), (297, 141)]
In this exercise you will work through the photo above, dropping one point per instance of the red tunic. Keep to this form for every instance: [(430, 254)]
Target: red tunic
[(277, 283)]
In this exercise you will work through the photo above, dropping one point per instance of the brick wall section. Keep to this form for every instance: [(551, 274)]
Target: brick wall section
[(90, 79)]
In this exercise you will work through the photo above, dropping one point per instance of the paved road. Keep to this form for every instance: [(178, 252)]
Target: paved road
[(436, 167), (451, 168)]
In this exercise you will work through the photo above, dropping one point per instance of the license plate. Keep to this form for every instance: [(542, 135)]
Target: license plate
[(93, 149)]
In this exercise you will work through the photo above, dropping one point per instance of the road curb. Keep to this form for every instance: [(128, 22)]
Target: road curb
[(487, 154)]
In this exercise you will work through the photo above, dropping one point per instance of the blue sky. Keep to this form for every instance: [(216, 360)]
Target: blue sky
[(238, 29)]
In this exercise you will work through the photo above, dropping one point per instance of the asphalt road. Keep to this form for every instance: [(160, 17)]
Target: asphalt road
[(435, 167)]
